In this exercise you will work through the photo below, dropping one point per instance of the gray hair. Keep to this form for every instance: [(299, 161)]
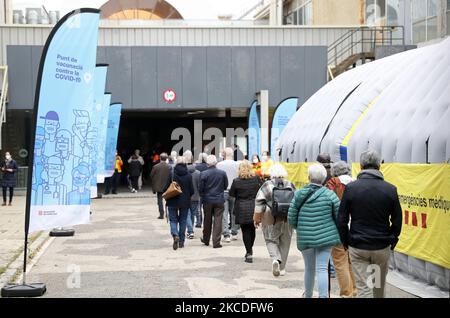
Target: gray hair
[(211, 160), (228, 153), (202, 157), (164, 156), (189, 157), (370, 159), (340, 168), (317, 173), (277, 171), (181, 160)]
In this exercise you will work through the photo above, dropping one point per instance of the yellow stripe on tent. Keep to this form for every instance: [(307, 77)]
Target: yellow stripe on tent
[(357, 122)]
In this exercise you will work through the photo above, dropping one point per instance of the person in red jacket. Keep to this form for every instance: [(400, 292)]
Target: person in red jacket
[(340, 177)]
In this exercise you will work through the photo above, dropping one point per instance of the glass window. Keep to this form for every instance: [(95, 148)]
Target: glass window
[(375, 11), (424, 20), (300, 16), (308, 13), (393, 10)]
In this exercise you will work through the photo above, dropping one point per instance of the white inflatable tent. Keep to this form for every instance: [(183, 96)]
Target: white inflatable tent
[(399, 106)]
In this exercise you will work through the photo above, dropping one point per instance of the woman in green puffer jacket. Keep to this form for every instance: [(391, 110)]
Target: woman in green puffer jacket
[(312, 214)]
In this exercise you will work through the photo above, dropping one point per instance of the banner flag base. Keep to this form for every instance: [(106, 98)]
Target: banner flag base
[(23, 290), (62, 232)]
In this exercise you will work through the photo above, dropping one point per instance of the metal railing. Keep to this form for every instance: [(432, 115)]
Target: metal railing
[(3, 99), (364, 40)]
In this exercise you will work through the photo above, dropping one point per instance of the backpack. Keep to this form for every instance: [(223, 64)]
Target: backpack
[(281, 200)]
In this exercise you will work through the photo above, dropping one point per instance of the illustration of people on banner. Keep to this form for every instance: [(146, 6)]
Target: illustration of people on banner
[(61, 174)]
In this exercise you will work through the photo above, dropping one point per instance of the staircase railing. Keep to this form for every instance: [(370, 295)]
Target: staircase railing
[(364, 40), (3, 99)]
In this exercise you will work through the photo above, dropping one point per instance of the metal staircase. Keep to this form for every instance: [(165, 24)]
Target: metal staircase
[(3, 98), (358, 45)]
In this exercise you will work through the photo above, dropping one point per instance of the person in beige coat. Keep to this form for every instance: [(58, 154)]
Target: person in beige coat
[(277, 233)]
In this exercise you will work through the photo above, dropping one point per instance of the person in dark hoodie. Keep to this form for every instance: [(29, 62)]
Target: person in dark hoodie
[(373, 206), (201, 163), (179, 205)]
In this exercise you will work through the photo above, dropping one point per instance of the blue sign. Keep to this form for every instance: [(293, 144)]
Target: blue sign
[(102, 131), (60, 178), (254, 132), (111, 138), (283, 113), (94, 132)]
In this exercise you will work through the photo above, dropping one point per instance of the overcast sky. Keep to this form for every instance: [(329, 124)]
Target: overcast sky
[(189, 9)]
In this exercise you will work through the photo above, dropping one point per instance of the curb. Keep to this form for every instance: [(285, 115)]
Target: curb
[(15, 268)]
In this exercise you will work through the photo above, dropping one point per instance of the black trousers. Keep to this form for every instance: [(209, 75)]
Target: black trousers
[(134, 182), (112, 183), (248, 236), (11, 194)]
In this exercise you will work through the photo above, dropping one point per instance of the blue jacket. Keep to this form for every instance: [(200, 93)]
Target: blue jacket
[(213, 183), (184, 179), (314, 219)]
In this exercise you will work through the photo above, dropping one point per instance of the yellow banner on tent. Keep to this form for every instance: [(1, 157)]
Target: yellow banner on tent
[(297, 173), (424, 193)]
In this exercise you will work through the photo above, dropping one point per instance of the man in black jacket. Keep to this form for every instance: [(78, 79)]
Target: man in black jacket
[(213, 183), (373, 206)]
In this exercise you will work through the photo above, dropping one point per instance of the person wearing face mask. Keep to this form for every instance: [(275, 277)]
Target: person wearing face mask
[(256, 165), (9, 168), (266, 163)]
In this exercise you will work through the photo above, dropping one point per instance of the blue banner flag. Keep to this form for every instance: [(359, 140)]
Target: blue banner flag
[(102, 130), (60, 178), (112, 134), (254, 132), (283, 113), (94, 132)]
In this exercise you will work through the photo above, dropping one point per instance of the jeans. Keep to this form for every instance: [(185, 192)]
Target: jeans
[(199, 214), (316, 261), (160, 204), (11, 194), (177, 217), (191, 217), (228, 217)]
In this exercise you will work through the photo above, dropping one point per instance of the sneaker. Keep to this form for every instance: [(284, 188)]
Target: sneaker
[(234, 237), (283, 272), (181, 245), (217, 246), (160, 217), (206, 243), (190, 236), (176, 239), (275, 268), (4, 204), (198, 225), (227, 239)]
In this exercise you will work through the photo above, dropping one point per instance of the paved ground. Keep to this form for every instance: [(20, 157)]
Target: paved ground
[(12, 223), (127, 252)]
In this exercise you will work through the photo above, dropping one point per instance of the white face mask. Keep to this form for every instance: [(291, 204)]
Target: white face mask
[(255, 160), (8, 157), (264, 158)]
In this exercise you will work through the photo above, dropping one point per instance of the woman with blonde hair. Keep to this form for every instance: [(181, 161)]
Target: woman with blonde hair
[(277, 232), (244, 190)]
